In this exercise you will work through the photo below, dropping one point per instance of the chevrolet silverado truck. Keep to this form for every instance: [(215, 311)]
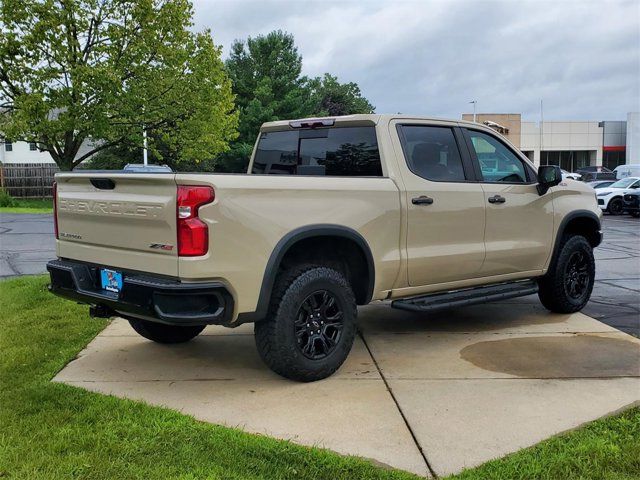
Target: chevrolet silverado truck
[(333, 213)]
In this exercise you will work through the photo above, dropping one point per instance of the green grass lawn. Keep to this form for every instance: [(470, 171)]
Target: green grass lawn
[(50, 430), (607, 449), (29, 205)]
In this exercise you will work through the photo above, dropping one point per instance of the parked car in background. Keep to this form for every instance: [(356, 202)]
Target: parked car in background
[(593, 172), (572, 176), (632, 203), (150, 168), (624, 171), (601, 183), (610, 199), (594, 168)]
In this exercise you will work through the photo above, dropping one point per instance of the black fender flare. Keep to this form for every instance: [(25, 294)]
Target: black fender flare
[(563, 226), (283, 246)]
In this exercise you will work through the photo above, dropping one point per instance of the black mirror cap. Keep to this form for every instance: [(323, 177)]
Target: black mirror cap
[(548, 176)]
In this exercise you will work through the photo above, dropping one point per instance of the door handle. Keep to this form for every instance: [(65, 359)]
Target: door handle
[(422, 200), (497, 199)]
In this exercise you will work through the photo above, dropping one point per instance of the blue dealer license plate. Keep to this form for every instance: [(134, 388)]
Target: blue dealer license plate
[(111, 280)]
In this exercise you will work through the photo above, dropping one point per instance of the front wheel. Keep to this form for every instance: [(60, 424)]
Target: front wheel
[(615, 206), (310, 327), (161, 333), (567, 287)]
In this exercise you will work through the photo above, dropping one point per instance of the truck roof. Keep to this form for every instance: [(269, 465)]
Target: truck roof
[(358, 119)]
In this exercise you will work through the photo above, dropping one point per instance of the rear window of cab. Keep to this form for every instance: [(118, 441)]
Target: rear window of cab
[(345, 152)]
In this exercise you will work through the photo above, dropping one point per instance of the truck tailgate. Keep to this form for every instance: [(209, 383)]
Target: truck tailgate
[(118, 219)]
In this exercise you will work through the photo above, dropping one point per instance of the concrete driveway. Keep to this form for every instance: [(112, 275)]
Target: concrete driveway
[(428, 394)]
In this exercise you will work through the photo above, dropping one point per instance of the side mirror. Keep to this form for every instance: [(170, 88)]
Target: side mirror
[(548, 176)]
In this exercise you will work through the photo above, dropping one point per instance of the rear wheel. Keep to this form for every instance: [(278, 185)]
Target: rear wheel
[(161, 333), (635, 213), (310, 327), (615, 206), (567, 287)]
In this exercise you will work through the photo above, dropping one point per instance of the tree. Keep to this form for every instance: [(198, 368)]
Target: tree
[(266, 76), (97, 72), (266, 72), (332, 98)]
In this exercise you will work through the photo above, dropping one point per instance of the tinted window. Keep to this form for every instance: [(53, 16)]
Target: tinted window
[(432, 153), (277, 153), (497, 162), (349, 152)]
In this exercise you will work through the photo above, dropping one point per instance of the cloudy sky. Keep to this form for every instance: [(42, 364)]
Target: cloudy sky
[(433, 57)]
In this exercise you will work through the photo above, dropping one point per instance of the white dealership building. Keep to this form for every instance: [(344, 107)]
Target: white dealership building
[(570, 144)]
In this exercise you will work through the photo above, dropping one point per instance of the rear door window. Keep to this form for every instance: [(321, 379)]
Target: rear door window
[(432, 153), (347, 152)]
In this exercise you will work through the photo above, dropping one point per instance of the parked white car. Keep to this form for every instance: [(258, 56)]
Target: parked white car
[(610, 199), (629, 170), (571, 175)]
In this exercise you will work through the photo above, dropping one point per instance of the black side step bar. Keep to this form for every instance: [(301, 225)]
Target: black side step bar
[(468, 296)]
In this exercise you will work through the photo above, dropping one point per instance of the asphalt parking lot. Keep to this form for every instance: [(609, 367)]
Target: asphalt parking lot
[(27, 243)]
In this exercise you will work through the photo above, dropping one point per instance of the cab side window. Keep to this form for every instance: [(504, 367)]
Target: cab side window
[(498, 164), (432, 153)]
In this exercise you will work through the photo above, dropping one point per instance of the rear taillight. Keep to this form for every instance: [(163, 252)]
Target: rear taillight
[(55, 208), (193, 233)]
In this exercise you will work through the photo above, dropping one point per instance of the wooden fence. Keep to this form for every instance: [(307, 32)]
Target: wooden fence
[(28, 180)]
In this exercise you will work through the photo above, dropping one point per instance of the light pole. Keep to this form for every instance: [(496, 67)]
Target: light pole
[(144, 140), (144, 145), (474, 109)]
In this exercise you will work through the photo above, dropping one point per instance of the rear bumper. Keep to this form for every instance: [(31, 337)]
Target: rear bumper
[(143, 296)]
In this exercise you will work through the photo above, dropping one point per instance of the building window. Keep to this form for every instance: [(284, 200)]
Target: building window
[(8, 145), (32, 146), (529, 154), (613, 158), (569, 160)]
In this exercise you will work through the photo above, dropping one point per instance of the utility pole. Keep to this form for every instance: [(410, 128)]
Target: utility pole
[(474, 109)]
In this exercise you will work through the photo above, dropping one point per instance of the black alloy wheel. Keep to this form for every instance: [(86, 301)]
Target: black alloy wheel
[(576, 280), (318, 325), (615, 206)]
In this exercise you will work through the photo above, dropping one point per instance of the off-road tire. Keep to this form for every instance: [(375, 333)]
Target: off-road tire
[(615, 206), (275, 336), (553, 290), (161, 333)]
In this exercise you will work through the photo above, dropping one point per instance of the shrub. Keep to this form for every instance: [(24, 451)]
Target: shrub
[(7, 200)]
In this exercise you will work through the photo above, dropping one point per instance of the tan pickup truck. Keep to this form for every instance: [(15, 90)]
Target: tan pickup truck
[(333, 213)]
